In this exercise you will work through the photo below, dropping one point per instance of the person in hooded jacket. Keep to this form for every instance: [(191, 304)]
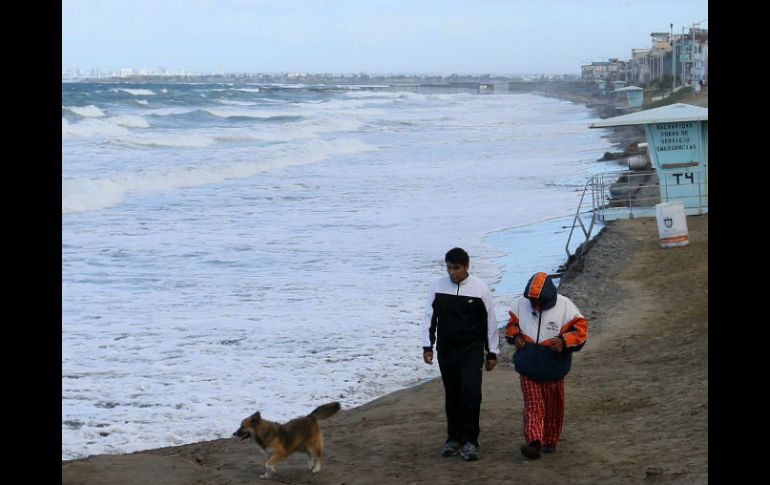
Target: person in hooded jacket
[(546, 328)]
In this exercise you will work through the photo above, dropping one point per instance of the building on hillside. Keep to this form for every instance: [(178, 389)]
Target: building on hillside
[(683, 55), (694, 56), (639, 69), (659, 59), (613, 69), (595, 71)]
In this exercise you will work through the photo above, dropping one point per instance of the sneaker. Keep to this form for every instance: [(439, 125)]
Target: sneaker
[(549, 448), (450, 448), (531, 450), (470, 452)]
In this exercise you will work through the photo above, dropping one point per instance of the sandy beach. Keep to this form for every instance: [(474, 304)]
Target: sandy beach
[(637, 396)]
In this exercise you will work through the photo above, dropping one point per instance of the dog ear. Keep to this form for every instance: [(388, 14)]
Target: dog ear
[(255, 417)]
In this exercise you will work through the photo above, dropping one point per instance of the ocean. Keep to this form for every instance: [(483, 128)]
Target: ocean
[(230, 248)]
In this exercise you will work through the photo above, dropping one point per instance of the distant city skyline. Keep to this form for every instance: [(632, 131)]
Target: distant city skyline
[(96, 72), (496, 37)]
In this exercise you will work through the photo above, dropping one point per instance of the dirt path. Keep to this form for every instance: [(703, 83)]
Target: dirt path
[(637, 404)]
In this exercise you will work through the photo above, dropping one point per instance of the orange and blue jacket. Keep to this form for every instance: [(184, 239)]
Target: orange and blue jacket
[(539, 315)]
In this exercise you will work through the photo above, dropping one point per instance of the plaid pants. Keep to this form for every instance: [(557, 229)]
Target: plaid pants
[(543, 409)]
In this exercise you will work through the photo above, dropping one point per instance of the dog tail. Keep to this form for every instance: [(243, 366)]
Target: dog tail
[(326, 411)]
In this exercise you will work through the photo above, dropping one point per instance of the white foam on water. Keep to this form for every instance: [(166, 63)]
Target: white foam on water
[(90, 111), (91, 127), (100, 192), (201, 283), (131, 121), (138, 92)]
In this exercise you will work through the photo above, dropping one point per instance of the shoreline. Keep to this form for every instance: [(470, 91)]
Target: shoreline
[(153, 464), (90, 438), (637, 401), (625, 138), (81, 444)]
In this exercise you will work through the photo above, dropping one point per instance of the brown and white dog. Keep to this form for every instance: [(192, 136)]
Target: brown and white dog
[(278, 441)]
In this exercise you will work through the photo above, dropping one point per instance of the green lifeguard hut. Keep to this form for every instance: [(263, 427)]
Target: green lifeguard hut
[(634, 96), (677, 143)]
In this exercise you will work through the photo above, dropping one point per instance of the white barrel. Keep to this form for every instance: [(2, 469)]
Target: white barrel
[(672, 224), (637, 162)]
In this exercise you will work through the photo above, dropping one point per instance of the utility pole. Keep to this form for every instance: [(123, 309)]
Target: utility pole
[(682, 54), (673, 60)]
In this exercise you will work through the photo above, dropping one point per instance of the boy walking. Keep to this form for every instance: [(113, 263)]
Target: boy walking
[(461, 313)]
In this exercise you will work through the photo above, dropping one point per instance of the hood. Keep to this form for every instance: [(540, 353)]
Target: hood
[(541, 290)]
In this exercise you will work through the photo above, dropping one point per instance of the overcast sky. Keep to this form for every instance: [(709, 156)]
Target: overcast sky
[(374, 36)]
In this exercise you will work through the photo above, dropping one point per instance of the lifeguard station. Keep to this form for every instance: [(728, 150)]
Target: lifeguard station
[(677, 145), (634, 96)]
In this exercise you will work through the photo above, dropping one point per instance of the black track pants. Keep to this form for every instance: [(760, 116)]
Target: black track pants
[(461, 373)]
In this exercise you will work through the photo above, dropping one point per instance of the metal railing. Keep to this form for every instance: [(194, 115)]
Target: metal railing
[(580, 214), (634, 193), (626, 188)]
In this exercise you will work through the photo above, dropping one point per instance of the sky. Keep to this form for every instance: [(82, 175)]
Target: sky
[(372, 36)]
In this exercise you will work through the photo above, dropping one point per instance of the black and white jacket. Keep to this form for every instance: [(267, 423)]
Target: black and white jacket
[(460, 314)]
